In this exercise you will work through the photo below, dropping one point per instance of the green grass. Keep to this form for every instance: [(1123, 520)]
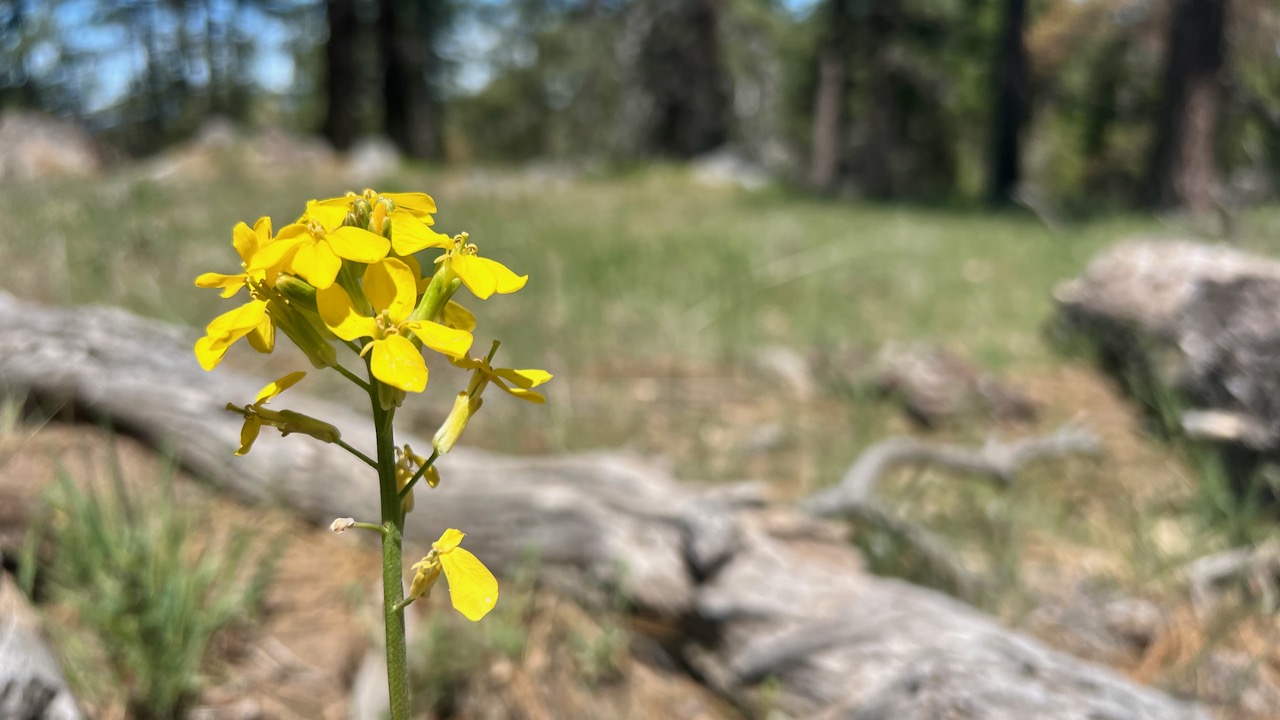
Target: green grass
[(148, 584)]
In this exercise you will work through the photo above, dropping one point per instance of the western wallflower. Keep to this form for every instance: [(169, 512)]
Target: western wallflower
[(391, 289), (249, 320), (406, 216), (314, 247), (472, 588), (468, 402), (482, 276)]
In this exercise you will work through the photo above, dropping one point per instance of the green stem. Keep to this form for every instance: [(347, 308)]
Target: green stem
[(392, 585), (365, 458), (353, 377)]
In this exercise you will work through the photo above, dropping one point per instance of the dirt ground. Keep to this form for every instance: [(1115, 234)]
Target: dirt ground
[(318, 619)]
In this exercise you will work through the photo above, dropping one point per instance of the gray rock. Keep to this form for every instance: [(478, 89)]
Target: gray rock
[(32, 686)]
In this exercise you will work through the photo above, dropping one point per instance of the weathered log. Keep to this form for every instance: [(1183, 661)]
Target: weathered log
[(1196, 321), (755, 593)]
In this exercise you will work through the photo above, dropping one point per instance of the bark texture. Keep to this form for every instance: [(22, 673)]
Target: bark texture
[(750, 593)]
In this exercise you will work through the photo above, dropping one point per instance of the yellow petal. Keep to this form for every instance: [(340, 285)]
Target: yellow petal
[(262, 229), (358, 245), (279, 252), (263, 336), (329, 213), (416, 203), (390, 285), (230, 284), (279, 386), (473, 589), (458, 317), (339, 314), (476, 275), (442, 339), (398, 363), (316, 263), (530, 395), (249, 433), (409, 235), (523, 378), (209, 351), (449, 539), (507, 281), (245, 242)]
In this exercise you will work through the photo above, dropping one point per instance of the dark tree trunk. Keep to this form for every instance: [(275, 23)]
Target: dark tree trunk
[(1183, 171), (829, 98), (1010, 106), (409, 63), (682, 71), (341, 74)]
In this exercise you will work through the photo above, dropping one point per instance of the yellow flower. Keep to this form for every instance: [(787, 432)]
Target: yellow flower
[(407, 464), (522, 381), (315, 246), (391, 289), (472, 588), (409, 215), (482, 276), (286, 421), (250, 319)]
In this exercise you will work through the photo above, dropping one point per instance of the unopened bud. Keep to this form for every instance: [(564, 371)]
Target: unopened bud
[(342, 524), (298, 291)]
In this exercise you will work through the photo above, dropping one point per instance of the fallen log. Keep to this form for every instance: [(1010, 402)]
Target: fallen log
[(754, 593)]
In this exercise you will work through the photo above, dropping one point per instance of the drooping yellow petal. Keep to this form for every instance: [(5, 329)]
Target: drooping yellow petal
[(458, 317), (529, 395), (339, 315), (398, 363), (209, 351), (316, 263), (226, 329), (410, 234), (442, 339), (506, 281), (358, 245), (418, 204), (526, 379), (249, 433), (278, 386), (475, 275), (263, 337), (391, 285), (230, 284), (472, 588)]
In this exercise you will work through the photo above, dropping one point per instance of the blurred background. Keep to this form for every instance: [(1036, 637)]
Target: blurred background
[(762, 236)]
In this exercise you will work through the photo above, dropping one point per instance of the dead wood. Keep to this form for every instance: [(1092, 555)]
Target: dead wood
[(755, 593)]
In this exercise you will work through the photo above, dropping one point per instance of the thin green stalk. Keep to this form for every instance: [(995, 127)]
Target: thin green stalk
[(364, 458), (392, 586)]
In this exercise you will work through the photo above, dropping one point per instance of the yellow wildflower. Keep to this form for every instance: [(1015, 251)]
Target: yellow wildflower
[(482, 276), (315, 246), (391, 289), (522, 381), (407, 464), (408, 215), (250, 319), (472, 588)]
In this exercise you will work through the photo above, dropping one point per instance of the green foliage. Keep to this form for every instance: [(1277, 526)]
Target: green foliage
[(140, 573)]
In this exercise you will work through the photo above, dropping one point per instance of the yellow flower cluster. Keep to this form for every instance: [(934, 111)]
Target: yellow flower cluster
[(345, 274)]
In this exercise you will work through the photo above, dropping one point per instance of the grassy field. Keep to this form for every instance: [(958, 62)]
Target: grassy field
[(652, 298)]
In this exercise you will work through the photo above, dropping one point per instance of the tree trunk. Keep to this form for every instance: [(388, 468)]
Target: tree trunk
[(1183, 170), (1010, 104), (411, 114), (682, 71), (341, 74), (828, 101)]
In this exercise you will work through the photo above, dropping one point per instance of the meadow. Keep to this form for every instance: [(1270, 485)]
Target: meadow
[(655, 299)]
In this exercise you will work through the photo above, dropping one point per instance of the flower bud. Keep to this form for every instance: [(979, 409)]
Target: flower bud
[(428, 572), (297, 291), (303, 332), (464, 406)]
